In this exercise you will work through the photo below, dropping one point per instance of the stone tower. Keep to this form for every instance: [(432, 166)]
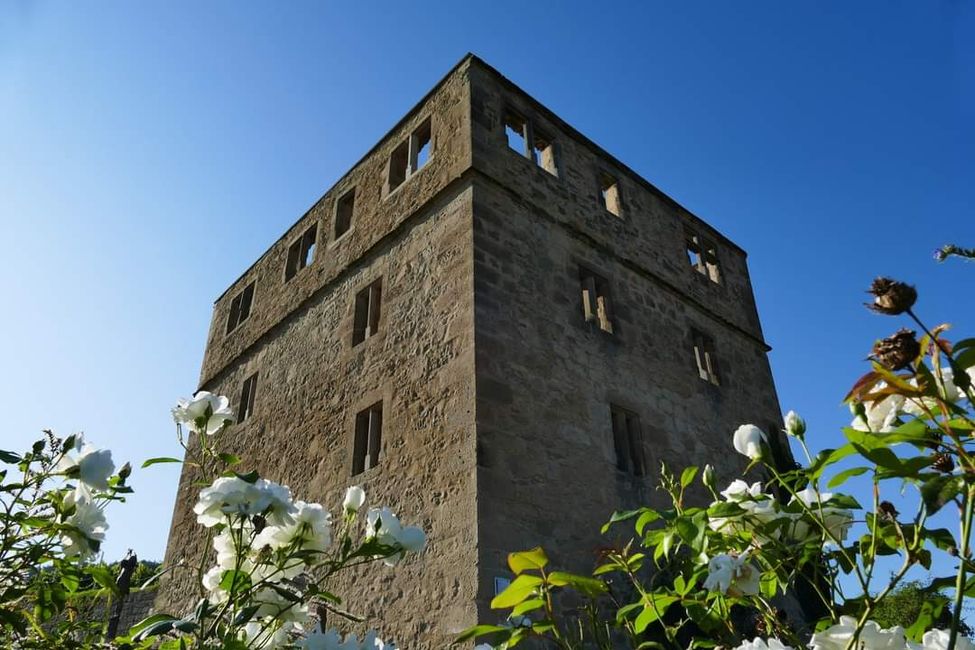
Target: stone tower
[(496, 328)]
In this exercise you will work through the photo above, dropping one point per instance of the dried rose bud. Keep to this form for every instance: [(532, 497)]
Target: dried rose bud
[(943, 463), (897, 351), (891, 297), (887, 511)]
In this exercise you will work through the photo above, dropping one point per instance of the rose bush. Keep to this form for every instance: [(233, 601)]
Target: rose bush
[(768, 564)]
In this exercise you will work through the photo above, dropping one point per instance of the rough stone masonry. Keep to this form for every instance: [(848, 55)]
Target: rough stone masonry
[(536, 326)]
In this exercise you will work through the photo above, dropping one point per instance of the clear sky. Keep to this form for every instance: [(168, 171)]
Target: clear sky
[(149, 152)]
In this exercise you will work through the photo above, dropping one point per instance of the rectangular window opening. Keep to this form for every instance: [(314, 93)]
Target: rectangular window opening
[(240, 308), (628, 441), (609, 193), (301, 253), (367, 446), (366, 316), (343, 213), (595, 300), (398, 165), (516, 131), (543, 153), (704, 357), (248, 394), (420, 144), (703, 256)]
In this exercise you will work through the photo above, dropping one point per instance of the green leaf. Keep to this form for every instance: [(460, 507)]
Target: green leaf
[(161, 459), (654, 608), (249, 477), (534, 559), (938, 491), (9, 457), (645, 519), (520, 588), (621, 515), (529, 605), (687, 476), (588, 586), (229, 459), (235, 582), (152, 626), (828, 457), (479, 630), (840, 478)]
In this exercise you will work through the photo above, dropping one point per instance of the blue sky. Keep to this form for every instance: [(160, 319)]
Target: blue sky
[(151, 152)]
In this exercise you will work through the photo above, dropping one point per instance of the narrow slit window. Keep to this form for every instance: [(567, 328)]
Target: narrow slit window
[(627, 441), (344, 209), (240, 308), (301, 253), (367, 309), (368, 442), (595, 300), (516, 131), (248, 394), (704, 357), (609, 194)]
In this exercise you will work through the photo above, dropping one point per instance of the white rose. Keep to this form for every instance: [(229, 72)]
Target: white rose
[(738, 490), (748, 440), (761, 644), (881, 416), (311, 530), (229, 496), (385, 527), (93, 467), (732, 575), (355, 497), (872, 637), (938, 640), (89, 523), (204, 412), (837, 520)]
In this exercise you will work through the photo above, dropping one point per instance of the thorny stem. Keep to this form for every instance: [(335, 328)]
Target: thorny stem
[(941, 346)]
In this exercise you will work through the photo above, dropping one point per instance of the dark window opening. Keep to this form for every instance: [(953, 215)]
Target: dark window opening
[(420, 146), (366, 317), (628, 441), (301, 253), (703, 256), (248, 394), (240, 307), (704, 357), (367, 446), (595, 300), (609, 193), (343, 213)]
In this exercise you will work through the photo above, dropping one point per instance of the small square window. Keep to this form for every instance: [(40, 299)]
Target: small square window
[(366, 316), (609, 193), (248, 393), (368, 443), (704, 357), (595, 300), (500, 584), (301, 253), (627, 441), (240, 308), (344, 209)]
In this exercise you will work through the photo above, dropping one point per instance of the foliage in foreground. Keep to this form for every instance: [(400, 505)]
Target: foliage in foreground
[(728, 574)]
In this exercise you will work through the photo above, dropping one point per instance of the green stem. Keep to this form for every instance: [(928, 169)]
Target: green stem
[(966, 530)]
